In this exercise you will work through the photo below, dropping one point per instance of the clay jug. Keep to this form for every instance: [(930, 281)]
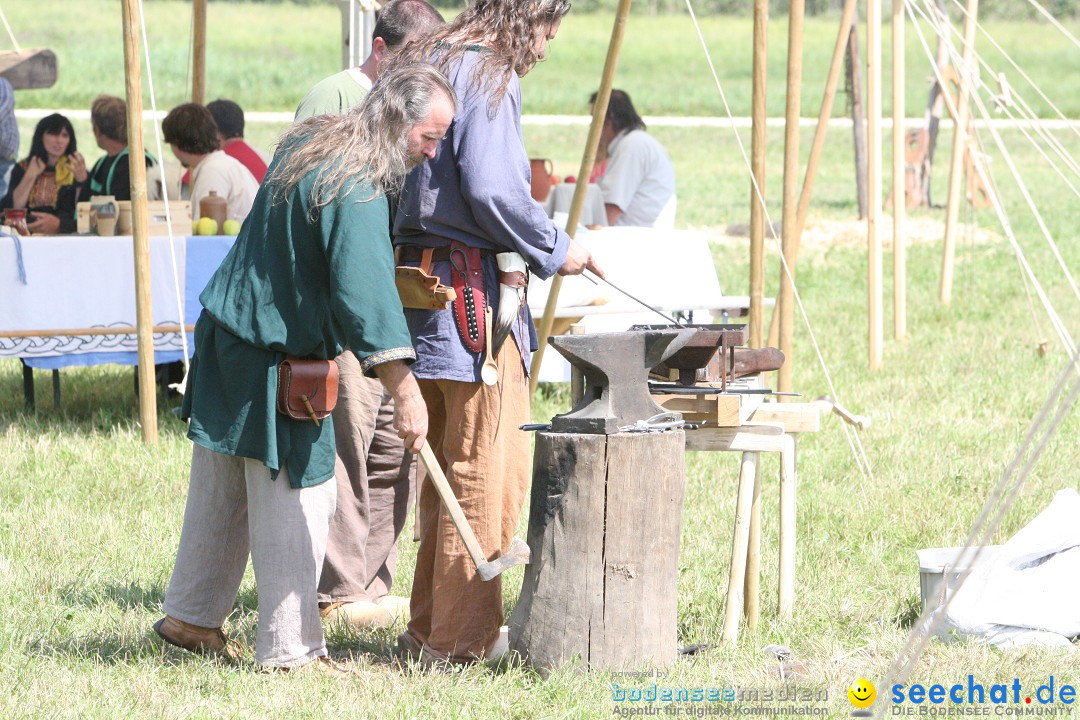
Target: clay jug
[(214, 206), (541, 178)]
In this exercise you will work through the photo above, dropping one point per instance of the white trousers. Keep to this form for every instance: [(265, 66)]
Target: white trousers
[(232, 506)]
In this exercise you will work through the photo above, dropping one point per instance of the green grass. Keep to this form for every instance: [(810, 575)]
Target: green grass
[(90, 517), (266, 57)]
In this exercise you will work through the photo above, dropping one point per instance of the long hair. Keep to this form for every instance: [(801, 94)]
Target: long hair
[(367, 144), (51, 124), (507, 30), (621, 112)]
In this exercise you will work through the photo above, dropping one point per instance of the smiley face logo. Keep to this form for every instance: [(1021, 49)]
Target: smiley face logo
[(862, 693)]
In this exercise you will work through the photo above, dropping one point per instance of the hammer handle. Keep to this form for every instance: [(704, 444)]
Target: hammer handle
[(457, 515)]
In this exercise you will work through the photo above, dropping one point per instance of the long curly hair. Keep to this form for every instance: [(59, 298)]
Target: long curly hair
[(367, 144), (507, 30)]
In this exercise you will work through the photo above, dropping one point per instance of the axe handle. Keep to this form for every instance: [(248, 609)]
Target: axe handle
[(457, 515)]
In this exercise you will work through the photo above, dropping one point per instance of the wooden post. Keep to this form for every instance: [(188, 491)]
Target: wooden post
[(740, 546), (956, 165), (899, 151), (607, 78), (839, 53), (757, 163), (604, 536), (858, 118), (751, 587), (873, 182), (791, 186), (198, 54), (140, 223)]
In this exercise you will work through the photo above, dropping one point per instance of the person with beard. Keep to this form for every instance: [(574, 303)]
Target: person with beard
[(311, 272)]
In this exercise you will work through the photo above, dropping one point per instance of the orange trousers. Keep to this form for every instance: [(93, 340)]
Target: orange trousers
[(473, 431)]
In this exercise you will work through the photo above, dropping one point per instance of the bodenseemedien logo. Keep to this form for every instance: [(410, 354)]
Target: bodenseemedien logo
[(862, 695)]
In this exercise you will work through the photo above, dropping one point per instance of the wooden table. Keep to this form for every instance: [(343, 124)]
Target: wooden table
[(772, 427)]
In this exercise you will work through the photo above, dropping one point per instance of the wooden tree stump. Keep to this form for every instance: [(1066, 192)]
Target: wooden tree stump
[(604, 525)]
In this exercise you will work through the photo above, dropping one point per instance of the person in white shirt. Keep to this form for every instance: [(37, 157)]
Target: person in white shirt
[(191, 133), (638, 183)]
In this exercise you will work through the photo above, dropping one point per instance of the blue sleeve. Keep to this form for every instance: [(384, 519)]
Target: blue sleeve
[(490, 153)]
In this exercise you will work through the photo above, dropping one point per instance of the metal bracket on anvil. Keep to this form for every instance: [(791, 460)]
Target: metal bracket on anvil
[(616, 369)]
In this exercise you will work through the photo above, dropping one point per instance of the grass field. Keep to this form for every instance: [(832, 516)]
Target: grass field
[(90, 517)]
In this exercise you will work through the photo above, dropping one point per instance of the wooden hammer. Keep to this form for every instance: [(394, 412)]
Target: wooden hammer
[(518, 554)]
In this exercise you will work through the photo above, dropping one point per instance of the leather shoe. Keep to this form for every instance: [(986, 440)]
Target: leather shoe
[(196, 639)]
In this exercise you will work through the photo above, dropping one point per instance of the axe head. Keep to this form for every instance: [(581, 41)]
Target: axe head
[(518, 554)]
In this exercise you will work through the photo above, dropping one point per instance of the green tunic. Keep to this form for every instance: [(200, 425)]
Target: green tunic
[(298, 281)]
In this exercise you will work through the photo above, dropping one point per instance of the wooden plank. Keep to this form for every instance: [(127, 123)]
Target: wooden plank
[(724, 410), (740, 546), (764, 437), (795, 417), (31, 69)]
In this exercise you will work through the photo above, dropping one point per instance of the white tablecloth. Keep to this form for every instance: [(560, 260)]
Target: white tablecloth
[(76, 282), (558, 202), (670, 270)]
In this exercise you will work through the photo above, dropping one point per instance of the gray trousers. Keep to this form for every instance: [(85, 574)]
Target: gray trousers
[(375, 484), (232, 506)]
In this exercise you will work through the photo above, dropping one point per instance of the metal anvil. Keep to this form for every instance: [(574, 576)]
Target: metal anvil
[(616, 369)]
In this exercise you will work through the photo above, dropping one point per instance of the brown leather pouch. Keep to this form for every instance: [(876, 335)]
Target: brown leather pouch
[(419, 289), (307, 389)]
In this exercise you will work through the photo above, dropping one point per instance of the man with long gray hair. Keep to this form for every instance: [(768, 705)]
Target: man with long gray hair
[(311, 272), (374, 473)]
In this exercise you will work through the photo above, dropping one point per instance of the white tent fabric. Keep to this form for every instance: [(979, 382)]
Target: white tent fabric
[(1026, 594)]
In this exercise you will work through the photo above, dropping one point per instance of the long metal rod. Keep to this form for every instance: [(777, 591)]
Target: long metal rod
[(593, 277)]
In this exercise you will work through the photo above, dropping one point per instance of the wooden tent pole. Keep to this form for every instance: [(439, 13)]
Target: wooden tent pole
[(789, 240), (899, 148), (956, 166), (607, 78), (198, 52), (873, 190), (839, 51), (140, 224), (757, 164)]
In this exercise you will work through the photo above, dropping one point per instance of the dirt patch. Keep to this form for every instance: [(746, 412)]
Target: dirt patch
[(824, 234)]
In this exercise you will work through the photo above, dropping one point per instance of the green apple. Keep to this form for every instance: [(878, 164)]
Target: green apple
[(230, 227), (206, 226)]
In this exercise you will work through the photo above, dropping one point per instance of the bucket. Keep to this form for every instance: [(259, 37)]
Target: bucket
[(939, 567)]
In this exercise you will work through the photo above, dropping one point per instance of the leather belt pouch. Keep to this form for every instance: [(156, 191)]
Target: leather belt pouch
[(467, 274), (307, 389), (419, 289)]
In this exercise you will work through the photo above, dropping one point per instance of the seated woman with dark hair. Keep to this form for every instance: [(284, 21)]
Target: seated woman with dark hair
[(48, 181)]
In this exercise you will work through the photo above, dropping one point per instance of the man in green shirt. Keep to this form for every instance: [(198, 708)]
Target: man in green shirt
[(311, 272)]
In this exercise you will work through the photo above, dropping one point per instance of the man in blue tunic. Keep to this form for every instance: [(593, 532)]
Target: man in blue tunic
[(456, 213), (311, 272)]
